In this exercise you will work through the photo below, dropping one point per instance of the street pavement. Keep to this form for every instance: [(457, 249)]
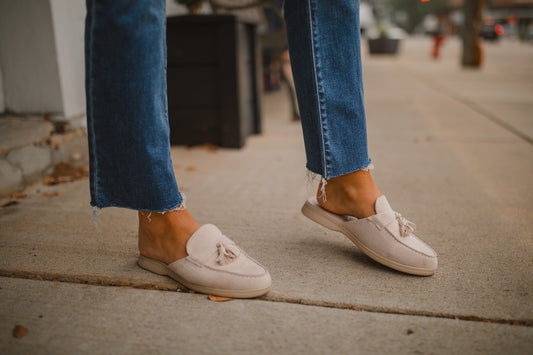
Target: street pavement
[(453, 152)]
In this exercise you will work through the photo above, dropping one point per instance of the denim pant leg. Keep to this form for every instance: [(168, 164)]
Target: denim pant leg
[(325, 51), (127, 120)]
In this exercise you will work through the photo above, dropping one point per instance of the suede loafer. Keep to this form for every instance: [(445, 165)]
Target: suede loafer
[(214, 265), (386, 237)]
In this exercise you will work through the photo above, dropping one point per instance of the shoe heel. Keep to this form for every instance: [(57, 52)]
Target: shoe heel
[(314, 214), (155, 266)]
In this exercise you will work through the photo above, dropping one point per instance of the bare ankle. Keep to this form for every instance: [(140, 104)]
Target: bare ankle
[(352, 194), (164, 236)]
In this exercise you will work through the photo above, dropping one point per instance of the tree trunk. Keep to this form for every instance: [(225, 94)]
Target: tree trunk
[(472, 51)]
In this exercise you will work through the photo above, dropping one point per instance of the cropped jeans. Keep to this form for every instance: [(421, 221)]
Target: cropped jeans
[(127, 116)]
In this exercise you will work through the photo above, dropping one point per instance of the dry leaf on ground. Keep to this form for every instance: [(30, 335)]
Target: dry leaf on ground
[(9, 203), (210, 147), (66, 172), (19, 196), (219, 298), (19, 331), (50, 180), (50, 194), (192, 168)]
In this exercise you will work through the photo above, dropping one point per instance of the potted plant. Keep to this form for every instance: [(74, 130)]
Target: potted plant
[(194, 6), (384, 39)]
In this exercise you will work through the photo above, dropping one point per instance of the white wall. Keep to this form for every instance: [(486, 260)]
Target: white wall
[(68, 18), (2, 107), (28, 57), (42, 55), (174, 8)]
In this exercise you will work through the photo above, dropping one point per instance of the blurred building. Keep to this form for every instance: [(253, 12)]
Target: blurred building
[(517, 13), (515, 17)]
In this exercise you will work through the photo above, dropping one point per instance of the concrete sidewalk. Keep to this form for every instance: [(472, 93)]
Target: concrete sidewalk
[(453, 152)]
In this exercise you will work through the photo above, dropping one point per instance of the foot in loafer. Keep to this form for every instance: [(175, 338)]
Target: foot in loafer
[(200, 258), (352, 204)]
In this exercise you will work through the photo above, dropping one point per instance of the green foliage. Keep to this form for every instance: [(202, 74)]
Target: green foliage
[(382, 30), (414, 10)]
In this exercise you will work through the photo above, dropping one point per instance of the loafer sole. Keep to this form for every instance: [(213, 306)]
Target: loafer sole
[(329, 220), (160, 268)]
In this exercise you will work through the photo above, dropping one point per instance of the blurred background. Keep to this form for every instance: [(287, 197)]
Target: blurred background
[(42, 99)]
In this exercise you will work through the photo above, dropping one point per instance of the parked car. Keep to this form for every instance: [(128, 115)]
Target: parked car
[(492, 30)]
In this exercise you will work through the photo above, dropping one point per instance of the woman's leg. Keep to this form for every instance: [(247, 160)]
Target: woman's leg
[(326, 55), (127, 108), (325, 52), (129, 148), (127, 122)]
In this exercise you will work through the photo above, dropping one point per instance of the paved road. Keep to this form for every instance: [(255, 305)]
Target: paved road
[(453, 152)]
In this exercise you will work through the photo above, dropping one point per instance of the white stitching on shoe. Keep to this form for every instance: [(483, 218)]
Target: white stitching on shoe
[(384, 219), (214, 269), (410, 247)]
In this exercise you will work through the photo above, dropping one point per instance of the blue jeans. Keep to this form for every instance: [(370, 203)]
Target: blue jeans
[(127, 118)]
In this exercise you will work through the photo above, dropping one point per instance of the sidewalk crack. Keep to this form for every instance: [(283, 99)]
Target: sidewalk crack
[(398, 311), (271, 297)]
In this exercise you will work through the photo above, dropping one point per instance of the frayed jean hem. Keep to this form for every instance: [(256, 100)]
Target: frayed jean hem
[(366, 167), (176, 206)]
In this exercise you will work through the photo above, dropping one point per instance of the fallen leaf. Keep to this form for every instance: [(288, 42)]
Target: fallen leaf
[(9, 203), (210, 147), (192, 168), (19, 331), (410, 331), (62, 179), (50, 194), (61, 127), (219, 298), (19, 196), (50, 180), (66, 172)]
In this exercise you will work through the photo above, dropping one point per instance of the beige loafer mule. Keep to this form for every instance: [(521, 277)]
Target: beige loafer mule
[(386, 237), (214, 265)]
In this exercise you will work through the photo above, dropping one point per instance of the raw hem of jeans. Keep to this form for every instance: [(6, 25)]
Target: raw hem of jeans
[(367, 167), (174, 207), (324, 180)]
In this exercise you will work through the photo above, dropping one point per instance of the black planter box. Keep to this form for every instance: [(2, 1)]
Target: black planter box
[(213, 80), (383, 45)]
